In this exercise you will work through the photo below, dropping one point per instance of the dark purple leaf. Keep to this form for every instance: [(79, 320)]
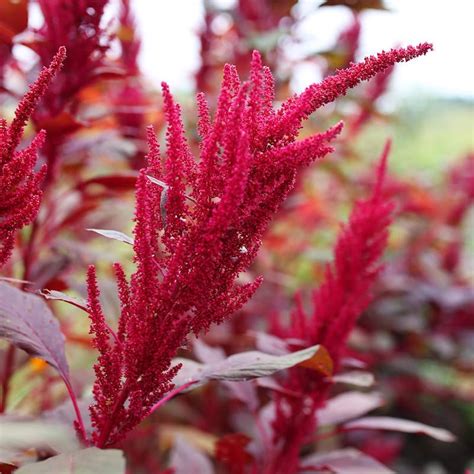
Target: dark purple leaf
[(27, 322), (60, 296)]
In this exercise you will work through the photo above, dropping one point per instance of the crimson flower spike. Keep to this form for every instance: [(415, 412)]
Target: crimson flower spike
[(198, 225), (338, 302), (346, 292), (300, 107), (20, 184)]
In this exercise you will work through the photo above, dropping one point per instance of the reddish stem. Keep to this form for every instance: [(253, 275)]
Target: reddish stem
[(7, 373), (28, 253), (105, 432), (80, 423), (171, 395)]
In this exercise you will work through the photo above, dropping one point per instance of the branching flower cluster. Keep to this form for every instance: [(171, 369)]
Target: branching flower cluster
[(199, 224)]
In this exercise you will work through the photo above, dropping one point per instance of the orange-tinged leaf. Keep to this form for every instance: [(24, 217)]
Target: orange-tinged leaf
[(321, 362)]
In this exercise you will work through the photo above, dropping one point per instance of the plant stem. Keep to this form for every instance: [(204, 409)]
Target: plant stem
[(171, 395), (105, 432), (80, 422), (7, 373), (29, 252)]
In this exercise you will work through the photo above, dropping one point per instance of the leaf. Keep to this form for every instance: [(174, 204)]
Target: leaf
[(163, 197), (114, 234), (253, 364), (238, 367), (27, 322), (356, 377), (84, 461), (185, 455), (320, 362), (398, 424), (344, 461), (60, 296), (270, 344), (347, 406), (190, 371), (272, 384), (20, 435), (350, 362), (157, 181), (165, 187), (245, 391), (206, 353)]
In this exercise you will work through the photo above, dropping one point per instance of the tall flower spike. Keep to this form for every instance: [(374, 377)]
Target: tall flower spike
[(20, 184), (300, 107), (344, 295), (27, 105), (347, 289), (195, 232), (345, 292)]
